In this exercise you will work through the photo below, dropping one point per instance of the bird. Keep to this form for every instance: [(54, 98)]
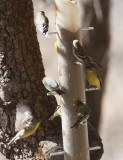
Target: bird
[(56, 113), (25, 123), (25, 132), (82, 56), (51, 85), (92, 77), (56, 46), (83, 114), (42, 22)]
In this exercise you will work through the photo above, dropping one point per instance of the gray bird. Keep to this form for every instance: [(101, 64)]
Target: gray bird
[(51, 85)]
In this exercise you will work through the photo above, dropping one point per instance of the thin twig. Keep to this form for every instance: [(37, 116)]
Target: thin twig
[(92, 89), (50, 33), (94, 148), (87, 28), (57, 153)]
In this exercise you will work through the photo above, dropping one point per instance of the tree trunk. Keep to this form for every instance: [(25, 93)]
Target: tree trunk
[(21, 73)]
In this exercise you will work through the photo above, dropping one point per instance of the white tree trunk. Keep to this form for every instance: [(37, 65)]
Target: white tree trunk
[(71, 76)]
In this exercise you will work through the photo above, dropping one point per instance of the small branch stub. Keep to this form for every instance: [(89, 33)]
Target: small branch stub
[(57, 153), (94, 148)]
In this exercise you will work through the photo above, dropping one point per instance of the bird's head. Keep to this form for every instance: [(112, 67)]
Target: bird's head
[(75, 43), (90, 68), (42, 12)]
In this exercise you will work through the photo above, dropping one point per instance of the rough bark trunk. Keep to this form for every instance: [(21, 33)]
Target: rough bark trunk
[(96, 43), (21, 73)]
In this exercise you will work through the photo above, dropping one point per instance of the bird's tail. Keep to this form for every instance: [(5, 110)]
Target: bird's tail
[(51, 118), (79, 119), (75, 125), (11, 141)]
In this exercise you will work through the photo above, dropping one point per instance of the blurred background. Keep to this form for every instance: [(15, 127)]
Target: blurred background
[(108, 116)]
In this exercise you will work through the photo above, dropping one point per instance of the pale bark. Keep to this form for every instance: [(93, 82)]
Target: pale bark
[(71, 76)]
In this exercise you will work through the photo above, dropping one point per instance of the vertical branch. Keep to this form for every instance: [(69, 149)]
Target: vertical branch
[(71, 78)]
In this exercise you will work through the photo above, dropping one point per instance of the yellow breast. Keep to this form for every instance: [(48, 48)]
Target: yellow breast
[(30, 131), (92, 78)]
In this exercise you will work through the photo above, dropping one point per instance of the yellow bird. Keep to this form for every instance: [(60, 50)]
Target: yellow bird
[(56, 46), (92, 77), (23, 133), (56, 113), (25, 123)]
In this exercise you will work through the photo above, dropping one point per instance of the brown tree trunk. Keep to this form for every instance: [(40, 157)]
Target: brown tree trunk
[(96, 44), (21, 73)]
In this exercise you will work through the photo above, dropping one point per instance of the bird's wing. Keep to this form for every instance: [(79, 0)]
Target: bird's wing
[(78, 50), (79, 119), (17, 136), (52, 117), (23, 113), (47, 20)]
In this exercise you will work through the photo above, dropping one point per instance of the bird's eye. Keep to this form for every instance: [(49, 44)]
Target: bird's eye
[(29, 120)]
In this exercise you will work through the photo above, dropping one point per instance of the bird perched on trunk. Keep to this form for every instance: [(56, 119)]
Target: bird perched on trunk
[(25, 123), (93, 77), (81, 56), (83, 113), (56, 113), (51, 85), (56, 46), (42, 22)]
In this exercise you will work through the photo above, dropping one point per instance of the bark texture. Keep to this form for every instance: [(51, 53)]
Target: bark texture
[(21, 73)]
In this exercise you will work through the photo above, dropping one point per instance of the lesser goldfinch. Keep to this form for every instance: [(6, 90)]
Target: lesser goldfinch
[(92, 77), (56, 113), (79, 53), (42, 22), (52, 86), (25, 123), (83, 113), (23, 133), (56, 46)]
